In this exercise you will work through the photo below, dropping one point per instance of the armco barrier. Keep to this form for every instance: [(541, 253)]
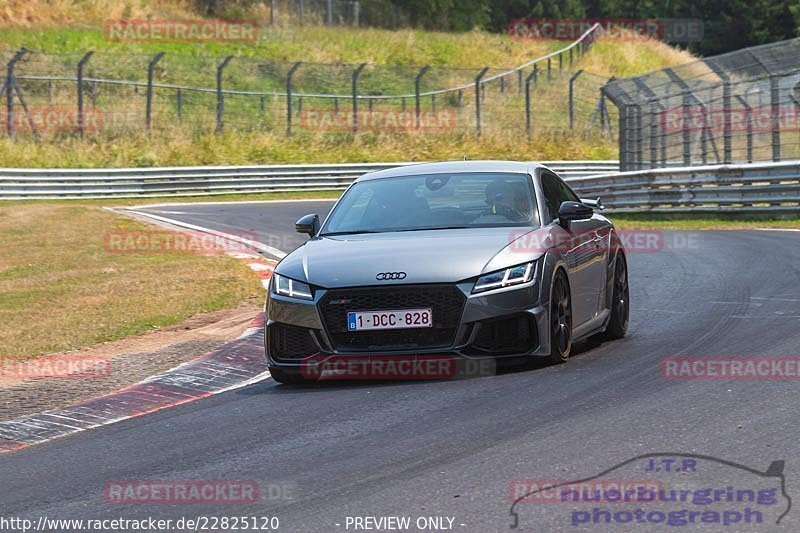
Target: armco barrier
[(207, 181), (755, 187)]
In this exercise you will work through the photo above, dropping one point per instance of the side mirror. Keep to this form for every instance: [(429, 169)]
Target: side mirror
[(308, 224), (570, 211)]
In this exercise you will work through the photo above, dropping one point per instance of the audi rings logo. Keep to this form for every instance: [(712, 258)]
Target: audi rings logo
[(385, 276)]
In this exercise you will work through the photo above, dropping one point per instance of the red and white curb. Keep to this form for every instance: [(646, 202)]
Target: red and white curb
[(237, 364)]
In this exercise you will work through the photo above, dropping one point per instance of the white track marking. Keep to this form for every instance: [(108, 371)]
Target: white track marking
[(261, 247), (189, 204)]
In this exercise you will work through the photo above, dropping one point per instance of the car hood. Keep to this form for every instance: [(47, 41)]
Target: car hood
[(435, 256)]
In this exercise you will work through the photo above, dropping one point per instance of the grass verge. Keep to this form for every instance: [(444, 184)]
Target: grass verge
[(703, 221), (61, 288)]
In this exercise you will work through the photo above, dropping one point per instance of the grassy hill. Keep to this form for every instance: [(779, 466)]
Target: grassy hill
[(59, 36)]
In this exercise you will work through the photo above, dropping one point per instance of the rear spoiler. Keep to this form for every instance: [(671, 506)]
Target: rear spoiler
[(595, 204)]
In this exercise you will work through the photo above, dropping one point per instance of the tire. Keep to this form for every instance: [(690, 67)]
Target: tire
[(620, 305), (288, 376), (560, 319)]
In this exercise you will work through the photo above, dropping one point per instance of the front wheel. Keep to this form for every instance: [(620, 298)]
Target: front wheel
[(560, 320), (620, 305)]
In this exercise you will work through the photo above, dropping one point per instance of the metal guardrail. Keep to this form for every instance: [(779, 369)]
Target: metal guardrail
[(20, 184), (752, 188)]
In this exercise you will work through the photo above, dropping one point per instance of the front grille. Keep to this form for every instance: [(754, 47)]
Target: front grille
[(290, 342), (446, 303), (515, 334)]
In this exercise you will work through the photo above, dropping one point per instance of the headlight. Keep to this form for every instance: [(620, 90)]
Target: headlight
[(503, 278), (292, 288)]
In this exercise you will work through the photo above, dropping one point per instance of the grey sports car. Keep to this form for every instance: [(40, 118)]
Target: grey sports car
[(470, 260)]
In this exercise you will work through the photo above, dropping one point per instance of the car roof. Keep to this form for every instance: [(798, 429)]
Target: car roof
[(454, 166)]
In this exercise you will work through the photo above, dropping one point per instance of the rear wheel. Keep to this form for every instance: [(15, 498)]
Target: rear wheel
[(560, 319), (620, 306)]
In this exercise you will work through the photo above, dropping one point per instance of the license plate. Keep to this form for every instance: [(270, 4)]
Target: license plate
[(400, 318)]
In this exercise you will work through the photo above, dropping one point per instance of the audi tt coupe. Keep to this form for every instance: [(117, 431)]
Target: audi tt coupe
[(475, 260)]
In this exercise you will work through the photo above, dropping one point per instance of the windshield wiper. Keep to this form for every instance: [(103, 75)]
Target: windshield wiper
[(334, 233), (436, 228)]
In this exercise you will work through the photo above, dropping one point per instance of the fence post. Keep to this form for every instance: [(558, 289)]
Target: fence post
[(149, 95), (519, 81), (220, 95), (748, 118), (560, 61), (535, 75), (775, 110), (726, 111), (478, 98), (300, 11), (271, 12), (417, 81), (81, 64), (356, 74), (603, 109), (9, 87), (570, 58), (289, 97), (179, 98), (330, 13), (687, 135), (549, 70), (572, 99), (531, 76), (356, 12)]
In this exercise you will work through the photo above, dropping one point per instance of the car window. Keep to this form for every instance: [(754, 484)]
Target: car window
[(435, 201), (552, 195), (556, 192), (566, 193)]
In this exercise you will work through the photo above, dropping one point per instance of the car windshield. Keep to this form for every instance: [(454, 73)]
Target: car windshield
[(435, 201)]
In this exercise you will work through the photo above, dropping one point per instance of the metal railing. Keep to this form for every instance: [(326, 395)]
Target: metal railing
[(209, 181), (752, 188)]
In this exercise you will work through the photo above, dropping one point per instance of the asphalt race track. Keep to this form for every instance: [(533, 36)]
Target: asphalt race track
[(451, 448)]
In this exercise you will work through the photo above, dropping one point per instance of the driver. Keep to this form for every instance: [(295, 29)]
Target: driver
[(504, 200)]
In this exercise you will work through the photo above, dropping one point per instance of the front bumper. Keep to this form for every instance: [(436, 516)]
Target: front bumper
[(504, 323)]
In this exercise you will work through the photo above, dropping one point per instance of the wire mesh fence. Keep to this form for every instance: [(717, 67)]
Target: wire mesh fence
[(48, 96), (363, 13), (733, 108)]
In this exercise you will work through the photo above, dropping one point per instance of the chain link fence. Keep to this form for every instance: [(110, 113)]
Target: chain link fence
[(360, 13), (738, 107), (47, 96)]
